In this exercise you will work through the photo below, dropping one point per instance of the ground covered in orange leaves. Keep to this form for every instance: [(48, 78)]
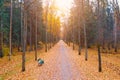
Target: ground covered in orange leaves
[(62, 63)]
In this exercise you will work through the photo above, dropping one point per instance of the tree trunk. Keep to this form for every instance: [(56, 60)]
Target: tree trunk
[(1, 39), (46, 34), (36, 39), (73, 34), (115, 24), (24, 41), (99, 37), (10, 34), (30, 35), (85, 37), (115, 32), (86, 52), (99, 60), (21, 27), (46, 40), (1, 54), (26, 24), (18, 45), (79, 43), (79, 30), (50, 34)]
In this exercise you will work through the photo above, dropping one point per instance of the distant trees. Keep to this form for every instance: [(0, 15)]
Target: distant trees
[(28, 5), (24, 25), (52, 24), (96, 23)]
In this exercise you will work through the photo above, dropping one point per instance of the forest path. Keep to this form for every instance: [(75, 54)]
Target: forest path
[(61, 64)]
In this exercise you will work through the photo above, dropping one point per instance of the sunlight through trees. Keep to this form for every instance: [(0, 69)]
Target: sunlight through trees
[(32, 25)]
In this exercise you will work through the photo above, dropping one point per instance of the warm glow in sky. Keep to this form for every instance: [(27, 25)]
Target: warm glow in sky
[(61, 29), (63, 6), (63, 10)]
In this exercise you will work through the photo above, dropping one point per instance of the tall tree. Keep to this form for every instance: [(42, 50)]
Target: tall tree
[(84, 26), (1, 27), (10, 34), (79, 29), (1, 38), (116, 16), (36, 36), (73, 38), (24, 41), (98, 24), (21, 24), (46, 33), (24, 34), (30, 34)]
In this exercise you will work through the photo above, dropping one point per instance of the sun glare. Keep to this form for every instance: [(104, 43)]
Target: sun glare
[(64, 5), (61, 29)]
